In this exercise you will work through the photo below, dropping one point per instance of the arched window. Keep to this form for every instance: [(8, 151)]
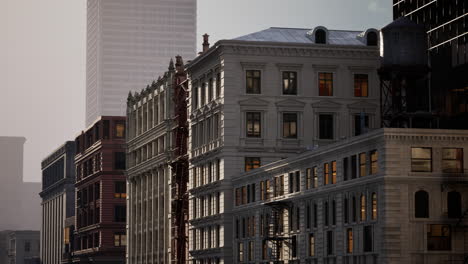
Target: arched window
[(320, 36), (372, 39), (421, 204), (374, 206), (363, 207), (454, 204)]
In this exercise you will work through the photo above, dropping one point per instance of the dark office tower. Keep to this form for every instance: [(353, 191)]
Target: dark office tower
[(58, 201), (446, 25), (100, 193)]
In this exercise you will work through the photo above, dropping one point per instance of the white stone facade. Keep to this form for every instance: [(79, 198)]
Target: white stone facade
[(386, 202), (128, 41), (222, 142)]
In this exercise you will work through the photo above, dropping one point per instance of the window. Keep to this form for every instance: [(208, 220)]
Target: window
[(289, 125), (27, 246), (361, 84), (326, 173), (195, 97), (345, 168), (421, 159), (210, 90), (367, 239), (252, 163), (119, 160), (354, 209), (315, 215), (363, 208), (120, 239), (362, 164), (298, 181), (333, 172), (254, 124), (346, 210), (325, 84), (315, 176), (320, 36), (289, 83), (106, 129), (240, 252), (452, 160), (119, 213), (439, 237), (421, 204), (203, 94), (120, 190), (251, 250), (308, 178), (349, 244), (326, 126), (374, 206), (294, 246), (373, 161), (66, 235), (329, 242), (454, 204), (253, 81), (120, 130), (311, 245), (361, 124), (325, 213), (218, 85), (372, 39), (333, 212), (353, 167)]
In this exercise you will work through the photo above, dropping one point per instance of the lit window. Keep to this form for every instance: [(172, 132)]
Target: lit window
[(421, 204), (373, 160), (326, 126), (452, 160), (311, 245), (333, 172), (308, 178), (290, 83), (325, 84), (363, 208), (120, 240), (315, 176), (439, 237), (251, 250), (361, 84), (326, 173), (241, 252), (120, 190), (252, 163), (350, 240), (362, 164), (289, 125), (253, 124), (253, 81), (421, 159), (374, 206), (120, 130)]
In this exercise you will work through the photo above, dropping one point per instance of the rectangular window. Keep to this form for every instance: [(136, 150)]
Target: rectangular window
[(349, 245), (253, 81), (120, 240), (326, 126), (203, 94), (291, 182), (294, 246), (345, 169), (353, 167), (240, 252), (289, 125), (119, 160), (210, 90), (361, 85), (119, 213), (367, 239), (298, 181), (254, 124), (290, 83), (333, 172), (251, 250), (195, 97), (452, 160), (238, 196), (421, 159), (106, 128), (362, 164), (346, 210), (325, 84), (244, 194), (308, 178), (439, 237), (252, 163), (315, 176), (311, 245), (315, 215), (120, 130), (329, 242), (374, 159), (27, 246), (361, 124), (326, 173), (218, 85), (120, 190)]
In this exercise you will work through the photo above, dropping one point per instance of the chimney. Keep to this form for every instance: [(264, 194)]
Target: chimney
[(206, 44)]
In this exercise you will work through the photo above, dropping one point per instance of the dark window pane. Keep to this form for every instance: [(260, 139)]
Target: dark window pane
[(439, 237), (454, 205), (253, 82), (253, 125), (361, 124), (320, 36), (119, 160), (290, 83), (290, 125), (421, 204), (368, 239), (326, 126)]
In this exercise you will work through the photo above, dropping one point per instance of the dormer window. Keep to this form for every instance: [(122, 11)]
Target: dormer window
[(372, 39), (320, 36)]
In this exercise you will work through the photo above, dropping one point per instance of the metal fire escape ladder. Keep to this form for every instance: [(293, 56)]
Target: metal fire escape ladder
[(275, 234)]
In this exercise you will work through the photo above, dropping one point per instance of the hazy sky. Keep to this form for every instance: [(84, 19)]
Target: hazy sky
[(43, 44)]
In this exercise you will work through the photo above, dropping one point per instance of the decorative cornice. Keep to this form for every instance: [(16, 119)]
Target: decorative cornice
[(257, 65), (363, 105), (290, 103), (253, 102), (326, 104)]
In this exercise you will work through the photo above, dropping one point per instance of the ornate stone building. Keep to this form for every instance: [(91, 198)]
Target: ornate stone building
[(267, 96), (390, 196)]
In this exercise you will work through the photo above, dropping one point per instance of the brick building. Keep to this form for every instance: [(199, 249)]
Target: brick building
[(100, 193)]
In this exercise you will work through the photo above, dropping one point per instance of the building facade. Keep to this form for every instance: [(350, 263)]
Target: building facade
[(58, 200), (446, 26), (100, 187), (390, 196), (19, 247), (152, 148), (267, 96), (127, 43)]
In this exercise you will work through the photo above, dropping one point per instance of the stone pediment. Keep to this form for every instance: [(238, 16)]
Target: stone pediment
[(363, 106), (290, 103), (328, 104), (253, 102)]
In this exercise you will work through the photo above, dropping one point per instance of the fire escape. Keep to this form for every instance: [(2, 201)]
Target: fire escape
[(275, 237), (179, 219)]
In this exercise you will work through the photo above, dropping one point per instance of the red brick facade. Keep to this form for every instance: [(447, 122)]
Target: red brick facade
[(100, 193)]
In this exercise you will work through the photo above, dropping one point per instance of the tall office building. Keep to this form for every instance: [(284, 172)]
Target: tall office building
[(446, 25), (128, 43)]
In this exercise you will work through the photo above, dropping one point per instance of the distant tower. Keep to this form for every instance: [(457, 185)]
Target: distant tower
[(129, 43), (405, 95)]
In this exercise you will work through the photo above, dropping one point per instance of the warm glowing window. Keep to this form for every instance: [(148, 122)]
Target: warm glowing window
[(421, 159), (363, 208), (374, 206), (66, 235), (290, 125), (120, 190), (326, 173), (362, 164), (350, 240), (120, 130), (120, 240), (325, 84), (452, 160), (439, 237), (315, 176), (361, 85), (252, 163), (373, 160), (333, 172), (240, 252), (311, 245)]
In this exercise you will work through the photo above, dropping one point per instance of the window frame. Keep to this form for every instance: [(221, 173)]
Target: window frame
[(359, 82), (251, 163), (253, 118), (460, 160), (327, 80), (254, 78), (288, 126), (323, 135), (413, 159), (290, 80)]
